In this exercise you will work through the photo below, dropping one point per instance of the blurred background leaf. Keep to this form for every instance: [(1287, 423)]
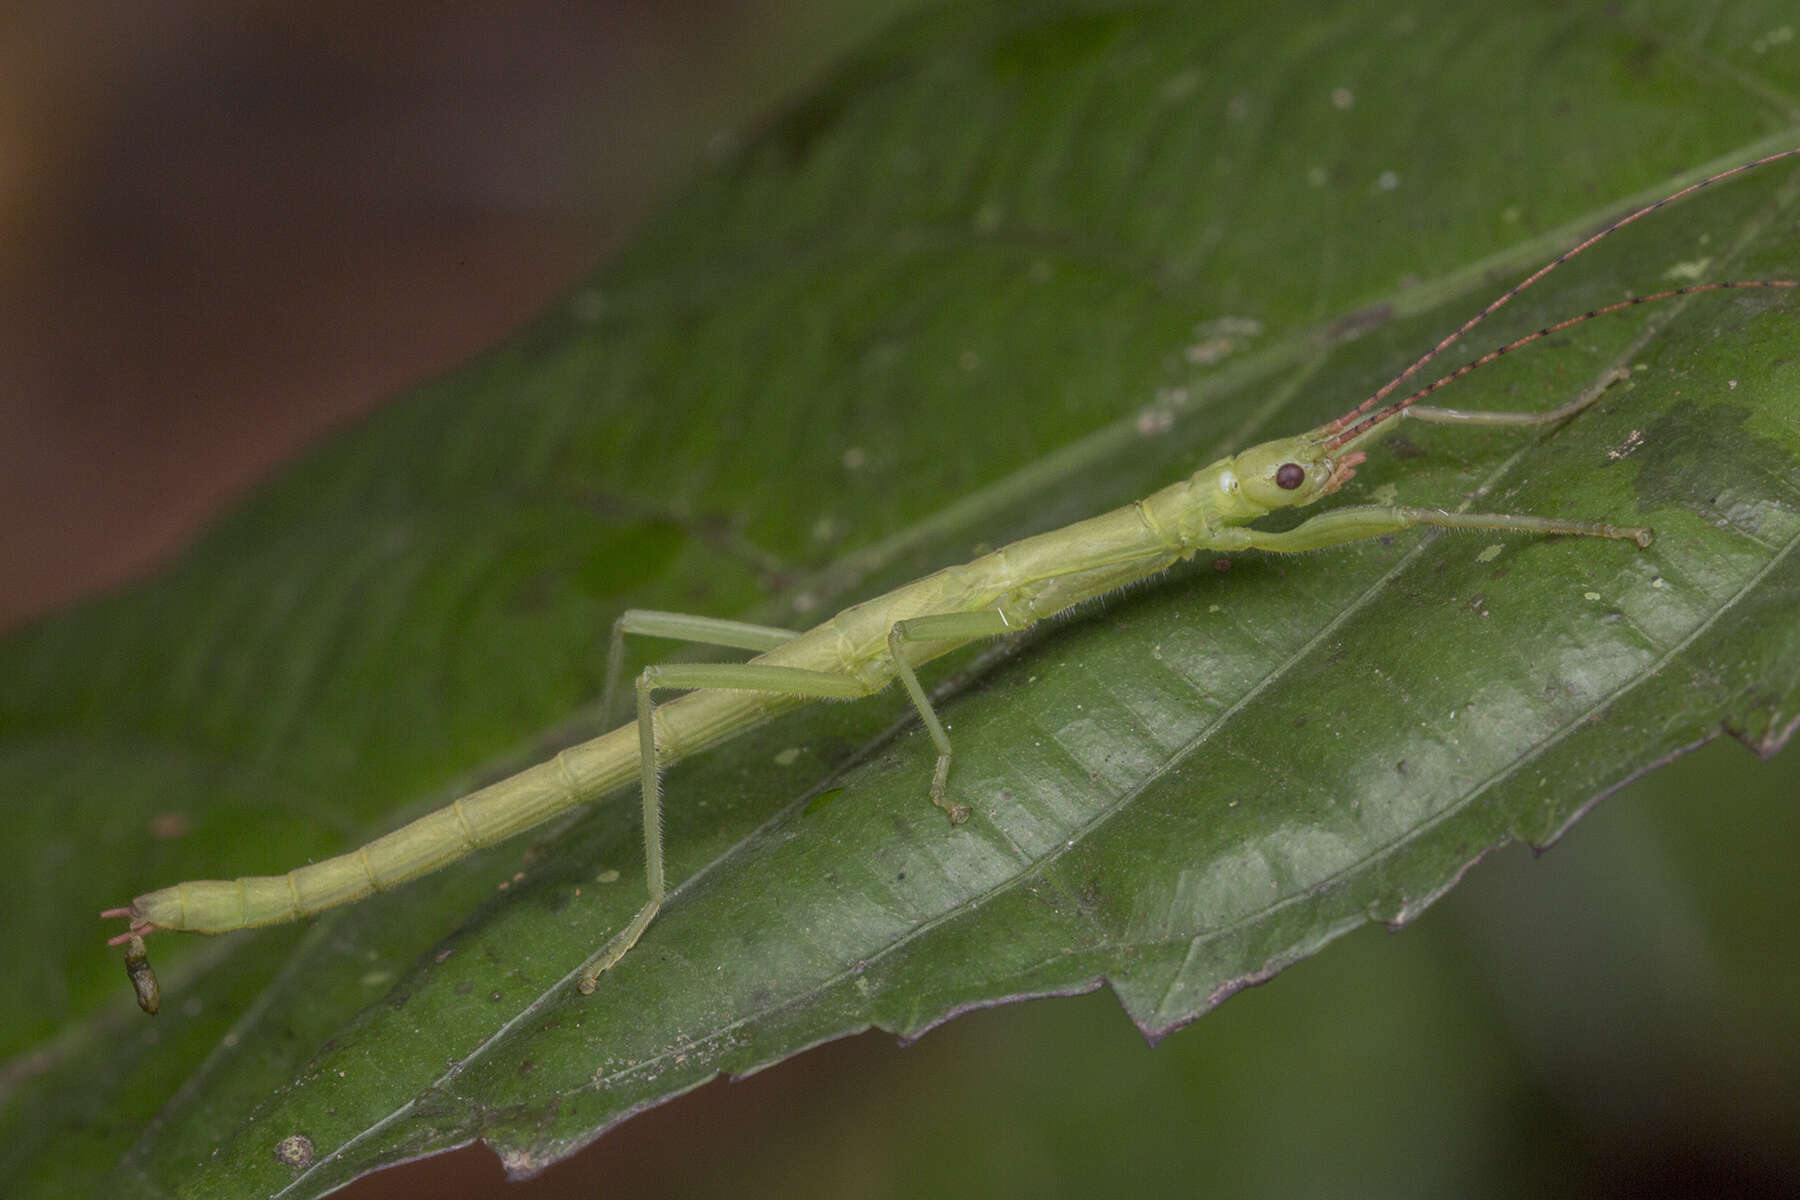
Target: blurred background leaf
[(784, 308)]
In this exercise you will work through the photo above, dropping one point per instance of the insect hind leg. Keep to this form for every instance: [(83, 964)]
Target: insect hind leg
[(680, 627), (749, 677)]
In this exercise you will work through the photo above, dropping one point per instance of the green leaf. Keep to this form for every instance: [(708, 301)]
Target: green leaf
[(1016, 265)]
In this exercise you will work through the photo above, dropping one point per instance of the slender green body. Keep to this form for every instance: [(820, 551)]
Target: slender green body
[(1021, 583), (1026, 581), (868, 646)]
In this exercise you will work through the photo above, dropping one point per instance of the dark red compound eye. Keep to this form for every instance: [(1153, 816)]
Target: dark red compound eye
[(1289, 476)]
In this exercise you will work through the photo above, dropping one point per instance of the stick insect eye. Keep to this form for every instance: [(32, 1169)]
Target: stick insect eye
[(1289, 476)]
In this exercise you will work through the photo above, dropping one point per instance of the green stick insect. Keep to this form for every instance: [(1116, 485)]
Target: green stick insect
[(866, 647)]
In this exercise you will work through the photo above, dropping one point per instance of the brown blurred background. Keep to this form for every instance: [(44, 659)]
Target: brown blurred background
[(226, 229)]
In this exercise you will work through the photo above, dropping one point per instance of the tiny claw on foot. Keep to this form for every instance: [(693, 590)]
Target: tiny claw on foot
[(957, 811), (608, 956)]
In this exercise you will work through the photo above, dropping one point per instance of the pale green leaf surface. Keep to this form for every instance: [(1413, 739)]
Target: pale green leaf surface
[(950, 301)]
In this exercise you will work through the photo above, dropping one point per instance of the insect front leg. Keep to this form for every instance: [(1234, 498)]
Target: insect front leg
[(1371, 520), (1475, 416), (941, 627), (748, 677)]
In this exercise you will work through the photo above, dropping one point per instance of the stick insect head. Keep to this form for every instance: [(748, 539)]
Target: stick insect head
[(1292, 472)]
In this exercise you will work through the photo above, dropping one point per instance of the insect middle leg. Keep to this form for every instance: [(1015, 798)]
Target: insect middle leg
[(1016, 611), (941, 627)]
